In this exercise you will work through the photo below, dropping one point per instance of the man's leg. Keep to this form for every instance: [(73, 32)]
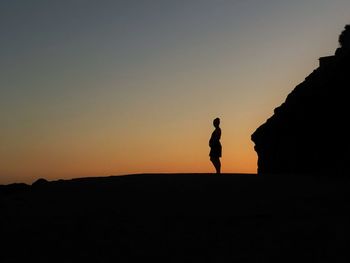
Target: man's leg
[(217, 164)]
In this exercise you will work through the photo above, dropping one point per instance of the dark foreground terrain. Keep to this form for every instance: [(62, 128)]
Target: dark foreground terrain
[(177, 218)]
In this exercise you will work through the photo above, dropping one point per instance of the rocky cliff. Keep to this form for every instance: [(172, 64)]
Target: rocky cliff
[(309, 132)]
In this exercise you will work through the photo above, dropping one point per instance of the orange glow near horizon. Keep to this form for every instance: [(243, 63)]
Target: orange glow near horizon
[(82, 157)]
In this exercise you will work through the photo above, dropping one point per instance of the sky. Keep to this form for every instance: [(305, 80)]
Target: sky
[(99, 88)]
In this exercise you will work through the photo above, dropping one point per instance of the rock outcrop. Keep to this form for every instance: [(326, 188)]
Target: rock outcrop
[(309, 132)]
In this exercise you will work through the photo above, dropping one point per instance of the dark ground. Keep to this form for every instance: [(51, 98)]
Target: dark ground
[(177, 218)]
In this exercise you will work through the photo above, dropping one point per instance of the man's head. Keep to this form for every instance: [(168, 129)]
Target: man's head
[(216, 122)]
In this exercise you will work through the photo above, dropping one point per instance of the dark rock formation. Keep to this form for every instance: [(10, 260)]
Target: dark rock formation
[(308, 132), (178, 218)]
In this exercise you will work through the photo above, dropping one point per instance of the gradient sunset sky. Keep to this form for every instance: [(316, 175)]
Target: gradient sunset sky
[(98, 88)]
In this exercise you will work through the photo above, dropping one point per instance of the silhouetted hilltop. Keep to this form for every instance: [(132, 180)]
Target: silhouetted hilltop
[(177, 218), (13, 188), (309, 132)]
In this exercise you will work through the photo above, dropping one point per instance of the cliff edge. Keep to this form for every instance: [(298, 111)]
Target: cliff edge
[(308, 132)]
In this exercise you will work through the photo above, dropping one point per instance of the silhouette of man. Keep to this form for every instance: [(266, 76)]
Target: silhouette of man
[(215, 146)]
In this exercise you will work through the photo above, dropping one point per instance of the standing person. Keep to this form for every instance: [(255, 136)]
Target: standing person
[(215, 146)]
